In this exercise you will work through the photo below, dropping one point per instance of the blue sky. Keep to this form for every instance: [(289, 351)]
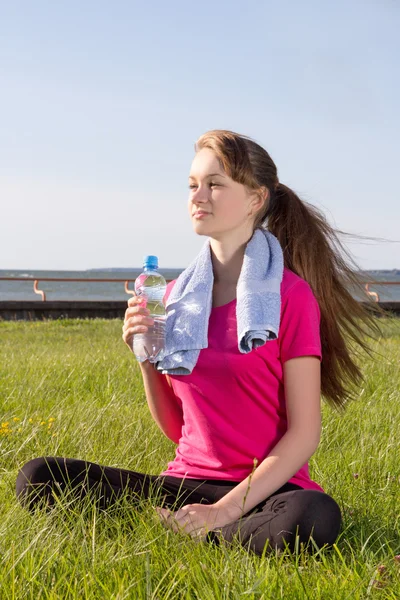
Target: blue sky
[(101, 103)]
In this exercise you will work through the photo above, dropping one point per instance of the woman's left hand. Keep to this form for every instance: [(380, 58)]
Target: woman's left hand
[(195, 519)]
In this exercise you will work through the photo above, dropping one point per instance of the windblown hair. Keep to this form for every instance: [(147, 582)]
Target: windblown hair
[(312, 250)]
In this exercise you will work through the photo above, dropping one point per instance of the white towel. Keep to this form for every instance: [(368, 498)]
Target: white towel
[(189, 304)]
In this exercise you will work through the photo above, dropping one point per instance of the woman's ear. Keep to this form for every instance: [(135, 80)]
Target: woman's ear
[(264, 192), (260, 198)]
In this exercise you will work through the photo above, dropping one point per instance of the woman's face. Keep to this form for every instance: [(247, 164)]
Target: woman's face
[(217, 205)]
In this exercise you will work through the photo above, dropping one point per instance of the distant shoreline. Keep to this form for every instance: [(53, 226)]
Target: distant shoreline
[(139, 269)]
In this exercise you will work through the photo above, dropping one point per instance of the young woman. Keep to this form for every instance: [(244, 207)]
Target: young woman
[(245, 424)]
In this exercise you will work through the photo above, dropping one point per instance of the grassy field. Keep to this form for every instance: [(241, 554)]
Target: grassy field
[(72, 388)]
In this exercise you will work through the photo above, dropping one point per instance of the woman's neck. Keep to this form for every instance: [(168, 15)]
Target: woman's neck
[(227, 259)]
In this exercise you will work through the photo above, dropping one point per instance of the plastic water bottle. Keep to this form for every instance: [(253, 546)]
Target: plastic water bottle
[(151, 286)]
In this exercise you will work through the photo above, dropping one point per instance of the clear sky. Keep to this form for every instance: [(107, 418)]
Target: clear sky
[(101, 103)]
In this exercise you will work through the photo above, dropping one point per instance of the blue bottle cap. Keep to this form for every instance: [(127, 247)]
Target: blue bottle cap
[(150, 262)]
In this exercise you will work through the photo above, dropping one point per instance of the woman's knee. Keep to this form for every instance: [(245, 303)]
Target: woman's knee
[(309, 514), (35, 479), (294, 517)]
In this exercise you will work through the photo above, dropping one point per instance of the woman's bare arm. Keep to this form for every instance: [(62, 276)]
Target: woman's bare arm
[(302, 379), (163, 404)]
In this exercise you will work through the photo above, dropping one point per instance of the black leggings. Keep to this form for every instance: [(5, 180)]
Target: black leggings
[(291, 511)]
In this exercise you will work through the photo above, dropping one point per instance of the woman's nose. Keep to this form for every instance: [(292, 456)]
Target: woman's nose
[(200, 195)]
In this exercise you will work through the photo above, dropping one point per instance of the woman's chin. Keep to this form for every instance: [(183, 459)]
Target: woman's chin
[(201, 228)]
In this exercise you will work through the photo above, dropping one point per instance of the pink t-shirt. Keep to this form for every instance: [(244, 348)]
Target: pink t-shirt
[(233, 404)]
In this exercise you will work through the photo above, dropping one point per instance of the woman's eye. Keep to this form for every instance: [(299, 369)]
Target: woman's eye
[(212, 184)]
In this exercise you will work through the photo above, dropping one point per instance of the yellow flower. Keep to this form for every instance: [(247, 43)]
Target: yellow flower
[(51, 419), (15, 419), (30, 420), (43, 422), (5, 425)]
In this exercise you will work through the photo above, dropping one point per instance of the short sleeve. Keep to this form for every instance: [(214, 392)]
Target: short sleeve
[(299, 330)]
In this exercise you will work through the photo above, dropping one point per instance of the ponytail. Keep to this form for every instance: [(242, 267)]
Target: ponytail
[(312, 250)]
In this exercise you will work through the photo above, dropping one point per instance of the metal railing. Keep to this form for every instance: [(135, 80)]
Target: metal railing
[(126, 282)]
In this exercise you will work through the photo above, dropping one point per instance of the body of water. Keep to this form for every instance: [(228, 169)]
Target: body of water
[(72, 290), (91, 290)]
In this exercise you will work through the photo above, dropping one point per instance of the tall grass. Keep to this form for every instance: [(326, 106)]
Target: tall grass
[(71, 388)]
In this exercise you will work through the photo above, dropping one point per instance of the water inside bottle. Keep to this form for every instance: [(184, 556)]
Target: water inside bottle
[(149, 346)]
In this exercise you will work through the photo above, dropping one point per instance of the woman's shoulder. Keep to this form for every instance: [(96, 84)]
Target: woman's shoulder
[(290, 280), (297, 296)]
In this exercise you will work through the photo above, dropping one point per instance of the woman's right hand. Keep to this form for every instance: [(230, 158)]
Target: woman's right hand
[(136, 320)]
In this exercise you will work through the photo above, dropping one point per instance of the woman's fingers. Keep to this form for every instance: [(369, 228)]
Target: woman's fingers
[(136, 310), (138, 324), (132, 301), (128, 334), (137, 320), (136, 300)]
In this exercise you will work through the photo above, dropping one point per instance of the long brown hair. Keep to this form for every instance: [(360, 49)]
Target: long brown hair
[(312, 250)]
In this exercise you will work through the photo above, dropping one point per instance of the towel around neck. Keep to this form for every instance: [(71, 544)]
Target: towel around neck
[(190, 302)]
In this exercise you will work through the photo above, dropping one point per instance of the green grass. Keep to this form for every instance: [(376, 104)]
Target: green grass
[(80, 374)]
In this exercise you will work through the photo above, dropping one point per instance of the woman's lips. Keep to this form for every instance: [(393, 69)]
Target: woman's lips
[(200, 214)]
